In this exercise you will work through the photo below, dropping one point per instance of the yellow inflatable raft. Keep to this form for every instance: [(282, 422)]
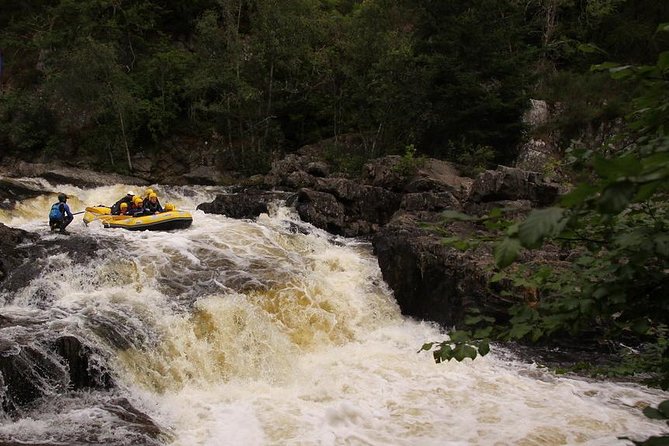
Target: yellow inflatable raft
[(163, 221)]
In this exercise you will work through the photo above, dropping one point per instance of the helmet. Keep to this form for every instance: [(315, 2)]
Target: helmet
[(131, 193), (138, 200), (62, 197), (169, 207), (148, 192), (124, 206), (153, 195)]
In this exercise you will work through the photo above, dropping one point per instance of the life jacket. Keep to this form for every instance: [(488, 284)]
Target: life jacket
[(56, 212)]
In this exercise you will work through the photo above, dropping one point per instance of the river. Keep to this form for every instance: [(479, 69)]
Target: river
[(272, 332)]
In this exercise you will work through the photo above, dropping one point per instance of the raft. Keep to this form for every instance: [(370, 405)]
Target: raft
[(163, 221)]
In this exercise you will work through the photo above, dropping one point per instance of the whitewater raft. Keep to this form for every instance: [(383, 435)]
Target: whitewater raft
[(163, 221)]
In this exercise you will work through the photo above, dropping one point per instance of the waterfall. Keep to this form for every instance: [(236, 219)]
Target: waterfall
[(265, 332)]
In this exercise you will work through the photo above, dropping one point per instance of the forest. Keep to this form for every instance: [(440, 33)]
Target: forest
[(96, 82)]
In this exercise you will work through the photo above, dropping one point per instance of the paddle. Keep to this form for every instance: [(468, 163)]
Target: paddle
[(77, 213)]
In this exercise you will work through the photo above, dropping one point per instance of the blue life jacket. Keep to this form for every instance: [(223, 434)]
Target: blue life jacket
[(56, 212)]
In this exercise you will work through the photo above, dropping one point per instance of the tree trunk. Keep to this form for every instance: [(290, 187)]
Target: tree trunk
[(125, 140), (269, 101)]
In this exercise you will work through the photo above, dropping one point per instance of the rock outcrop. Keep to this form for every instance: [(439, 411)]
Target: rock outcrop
[(66, 175), (35, 363), (248, 203), (12, 191), (431, 280)]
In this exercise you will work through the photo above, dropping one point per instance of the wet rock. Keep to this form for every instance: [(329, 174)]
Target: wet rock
[(248, 203), (35, 362), (91, 418), (12, 191), (432, 281), (128, 413), (344, 207), (82, 373), (321, 209), (23, 255), (10, 254), (66, 175)]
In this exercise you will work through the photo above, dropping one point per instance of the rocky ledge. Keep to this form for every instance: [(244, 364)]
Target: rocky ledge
[(400, 210)]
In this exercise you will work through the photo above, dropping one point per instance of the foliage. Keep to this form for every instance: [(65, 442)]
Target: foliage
[(617, 228), (659, 413), (472, 158), (262, 77), (409, 163), (464, 343)]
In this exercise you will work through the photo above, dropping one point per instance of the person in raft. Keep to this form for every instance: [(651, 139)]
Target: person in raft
[(60, 215), (116, 207), (123, 209), (136, 209), (152, 205)]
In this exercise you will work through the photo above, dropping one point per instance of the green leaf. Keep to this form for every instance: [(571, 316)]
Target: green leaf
[(663, 61), (473, 320), (427, 346), (484, 348), (615, 168), (497, 277), (463, 351), (506, 252), (615, 197), (459, 336), (541, 223), (586, 305), (653, 414), (621, 72), (640, 326), (590, 48), (444, 353), (604, 66), (579, 195), (664, 408), (519, 331), (646, 191), (663, 27), (512, 230), (483, 333)]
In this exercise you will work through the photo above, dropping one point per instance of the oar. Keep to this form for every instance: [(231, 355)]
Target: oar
[(77, 213)]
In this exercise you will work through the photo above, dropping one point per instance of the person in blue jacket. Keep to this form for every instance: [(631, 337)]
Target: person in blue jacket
[(60, 215)]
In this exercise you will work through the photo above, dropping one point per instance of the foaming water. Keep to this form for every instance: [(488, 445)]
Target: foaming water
[(255, 333)]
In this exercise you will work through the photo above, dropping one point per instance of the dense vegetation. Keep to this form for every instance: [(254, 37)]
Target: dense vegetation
[(102, 80), (611, 291)]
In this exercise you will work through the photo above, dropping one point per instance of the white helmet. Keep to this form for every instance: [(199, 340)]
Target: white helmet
[(130, 193)]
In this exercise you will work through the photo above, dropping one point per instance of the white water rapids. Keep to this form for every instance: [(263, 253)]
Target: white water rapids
[(240, 332)]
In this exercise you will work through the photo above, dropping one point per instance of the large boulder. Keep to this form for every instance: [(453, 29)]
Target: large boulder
[(345, 207), (12, 191), (510, 183), (10, 254), (248, 203), (34, 362), (431, 280), (322, 210)]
